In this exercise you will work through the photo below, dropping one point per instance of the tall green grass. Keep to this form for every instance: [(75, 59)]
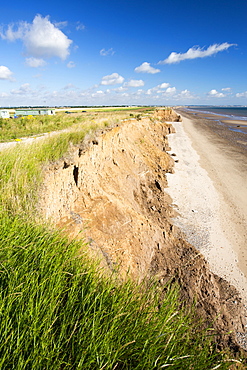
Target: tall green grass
[(21, 167), (11, 129), (58, 312)]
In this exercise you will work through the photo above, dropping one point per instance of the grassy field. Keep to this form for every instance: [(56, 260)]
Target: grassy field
[(14, 128), (58, 310)]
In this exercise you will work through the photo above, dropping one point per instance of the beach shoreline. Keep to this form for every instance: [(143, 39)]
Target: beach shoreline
[(209, 193)]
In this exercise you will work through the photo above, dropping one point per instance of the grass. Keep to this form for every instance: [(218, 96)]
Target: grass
[(21, 166), (12, 129), (58, 310)]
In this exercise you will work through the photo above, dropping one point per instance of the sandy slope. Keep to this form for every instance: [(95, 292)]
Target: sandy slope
[(209, 189)]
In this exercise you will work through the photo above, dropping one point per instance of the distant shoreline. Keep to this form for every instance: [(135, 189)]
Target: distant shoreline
[(233, 130)]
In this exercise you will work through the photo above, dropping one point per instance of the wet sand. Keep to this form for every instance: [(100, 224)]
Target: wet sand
[(209, 190)]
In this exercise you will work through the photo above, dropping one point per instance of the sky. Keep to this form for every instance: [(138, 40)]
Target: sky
[(123, 52)]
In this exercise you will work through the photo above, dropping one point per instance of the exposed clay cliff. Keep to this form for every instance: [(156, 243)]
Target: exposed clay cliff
[(113, 189), (167, 114)]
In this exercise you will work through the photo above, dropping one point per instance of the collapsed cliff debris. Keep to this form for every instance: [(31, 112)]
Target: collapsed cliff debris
[(112, 188)]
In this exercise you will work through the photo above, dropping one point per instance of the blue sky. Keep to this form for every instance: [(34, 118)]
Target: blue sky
[(118, 52)]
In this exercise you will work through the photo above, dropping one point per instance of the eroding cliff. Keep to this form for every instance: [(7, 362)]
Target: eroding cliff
[(112, 188)]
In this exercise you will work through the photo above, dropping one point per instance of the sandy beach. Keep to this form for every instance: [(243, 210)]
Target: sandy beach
[(209, 192)]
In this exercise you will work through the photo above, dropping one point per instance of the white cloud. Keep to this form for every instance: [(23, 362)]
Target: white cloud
[(158, 89), (80, 26), (105, 52), (186, 94), (171, 90), (112, 79), (71, 64), (24, 89), (140, 92), (134, 83), (97, 94), (196, 52), (61, 24), (41, 38), (5, 73), (3, 95), (35, 62), (216, 94), (120, 89), (226, 89), (11, 34), (146, 68), (164, 85), (242, 95)]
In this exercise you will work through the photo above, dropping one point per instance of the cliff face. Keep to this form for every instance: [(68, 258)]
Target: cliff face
[(167, 115), (113, 189)]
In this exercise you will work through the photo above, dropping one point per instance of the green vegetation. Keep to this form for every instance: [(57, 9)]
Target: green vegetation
[(57, 308), (12, 129), (21, 168), (58, 312)]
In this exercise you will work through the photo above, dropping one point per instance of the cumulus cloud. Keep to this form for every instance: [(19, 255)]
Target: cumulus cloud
[(71, 64), (146, 68), (164, 85), (158, 89), (134, 83), (196, 52), (186, 94), (104, 52), (242, 95), (35, 62), (112, 79), (216, 94), (171, 90), (5, 73), (41, 38), (228, 89)]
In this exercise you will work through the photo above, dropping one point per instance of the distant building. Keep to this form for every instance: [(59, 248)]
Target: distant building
[(4, 113), (35, 112)]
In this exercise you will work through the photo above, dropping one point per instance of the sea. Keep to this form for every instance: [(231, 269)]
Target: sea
[(235, 115), (231, 113)]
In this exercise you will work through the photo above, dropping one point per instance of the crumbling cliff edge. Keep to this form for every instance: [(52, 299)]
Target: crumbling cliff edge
[(113, 188)]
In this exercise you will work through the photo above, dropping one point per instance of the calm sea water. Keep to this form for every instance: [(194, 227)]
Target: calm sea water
[(239, 113)]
